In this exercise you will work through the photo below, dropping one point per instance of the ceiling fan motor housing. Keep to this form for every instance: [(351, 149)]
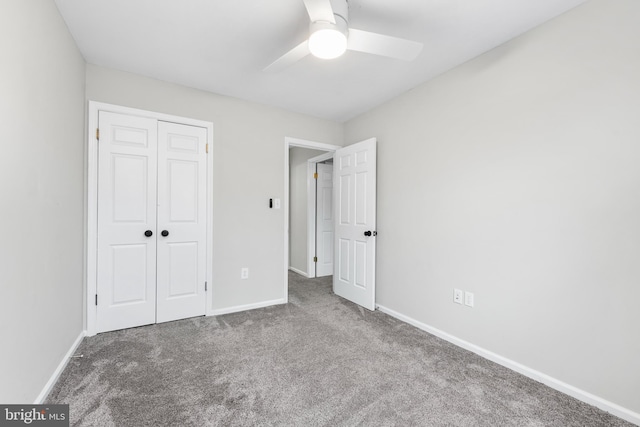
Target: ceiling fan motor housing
[(341, 16), (340, 26), (340, 10)]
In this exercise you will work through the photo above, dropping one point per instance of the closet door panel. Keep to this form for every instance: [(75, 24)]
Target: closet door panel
[(126, 265), (181, 221)]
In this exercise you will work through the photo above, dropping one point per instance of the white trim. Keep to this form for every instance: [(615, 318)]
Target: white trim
[(304, 143), (246, 307), (300, 272), (584, 396), (92, 221), (56, 374), (92, 201), (209, 274), (322, 157), (288, 143)]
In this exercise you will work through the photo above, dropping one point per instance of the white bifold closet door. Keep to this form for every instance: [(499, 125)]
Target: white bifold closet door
[(151, 263)]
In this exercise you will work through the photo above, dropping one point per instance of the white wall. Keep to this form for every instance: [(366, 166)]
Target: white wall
[(516, 176), (248, 153), (298, 256), (41, 183)]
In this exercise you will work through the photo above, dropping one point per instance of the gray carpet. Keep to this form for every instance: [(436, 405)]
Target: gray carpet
[(317, 361)]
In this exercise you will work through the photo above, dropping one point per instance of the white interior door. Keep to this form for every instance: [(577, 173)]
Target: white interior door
[(126, 264), (354, 181), (324, 220), (182, 172)]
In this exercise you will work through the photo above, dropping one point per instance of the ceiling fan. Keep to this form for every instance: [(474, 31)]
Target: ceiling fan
[(330, 36)]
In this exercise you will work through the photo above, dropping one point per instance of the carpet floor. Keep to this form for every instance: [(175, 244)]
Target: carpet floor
[(317, 361)]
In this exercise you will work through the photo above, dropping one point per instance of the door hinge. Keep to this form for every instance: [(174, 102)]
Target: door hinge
[(315, 175), (205, 286), (315, 259), (207, 148), (98, 134), (96, 299)]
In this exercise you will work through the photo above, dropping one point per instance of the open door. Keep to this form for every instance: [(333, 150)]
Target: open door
[(324, 220), (354, 181)]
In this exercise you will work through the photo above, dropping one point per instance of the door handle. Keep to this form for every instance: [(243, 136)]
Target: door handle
[(370, 233), (148, 233), (164, 233)]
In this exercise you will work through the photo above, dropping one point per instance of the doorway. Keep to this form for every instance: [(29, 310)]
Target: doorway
[(297, 215), (354, 206), (310, 212)]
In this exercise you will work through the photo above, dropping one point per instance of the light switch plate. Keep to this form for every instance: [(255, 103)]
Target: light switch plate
[(468, 299)]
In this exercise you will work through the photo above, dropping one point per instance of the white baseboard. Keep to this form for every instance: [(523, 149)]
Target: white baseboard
[(300, 272), (56, 374), (237, 308), (605, 405)]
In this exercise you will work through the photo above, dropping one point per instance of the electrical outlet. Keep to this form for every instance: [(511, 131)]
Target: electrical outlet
[(276, 203), (457, 296), (468, 299), (244, 273)]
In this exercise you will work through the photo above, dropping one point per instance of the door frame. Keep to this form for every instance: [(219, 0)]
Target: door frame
[(312, 208), (91, 205), (288, 144)]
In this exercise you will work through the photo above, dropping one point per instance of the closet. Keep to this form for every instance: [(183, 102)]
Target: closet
[(151, 221)]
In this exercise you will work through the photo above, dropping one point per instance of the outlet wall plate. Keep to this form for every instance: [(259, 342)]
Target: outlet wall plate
[(457, 296), (244, 273)]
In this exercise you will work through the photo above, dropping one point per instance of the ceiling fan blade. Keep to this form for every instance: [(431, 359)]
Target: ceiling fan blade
[(380, 44), (320, 10), (289, 58)]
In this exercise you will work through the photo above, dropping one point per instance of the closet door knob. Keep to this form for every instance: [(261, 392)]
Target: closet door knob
[(148, 233), (164, 233)]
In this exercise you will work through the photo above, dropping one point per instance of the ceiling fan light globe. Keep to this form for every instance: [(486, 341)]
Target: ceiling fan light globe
[(327, 43)]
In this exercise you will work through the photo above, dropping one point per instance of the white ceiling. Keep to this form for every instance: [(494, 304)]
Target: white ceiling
[(222, 46)]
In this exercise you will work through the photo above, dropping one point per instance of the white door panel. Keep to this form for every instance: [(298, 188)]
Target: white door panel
[(344, 266), (126, 265), (182, 214), (183, 269), (129, 188), (355, 186), (324, 220), (129, 271)]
